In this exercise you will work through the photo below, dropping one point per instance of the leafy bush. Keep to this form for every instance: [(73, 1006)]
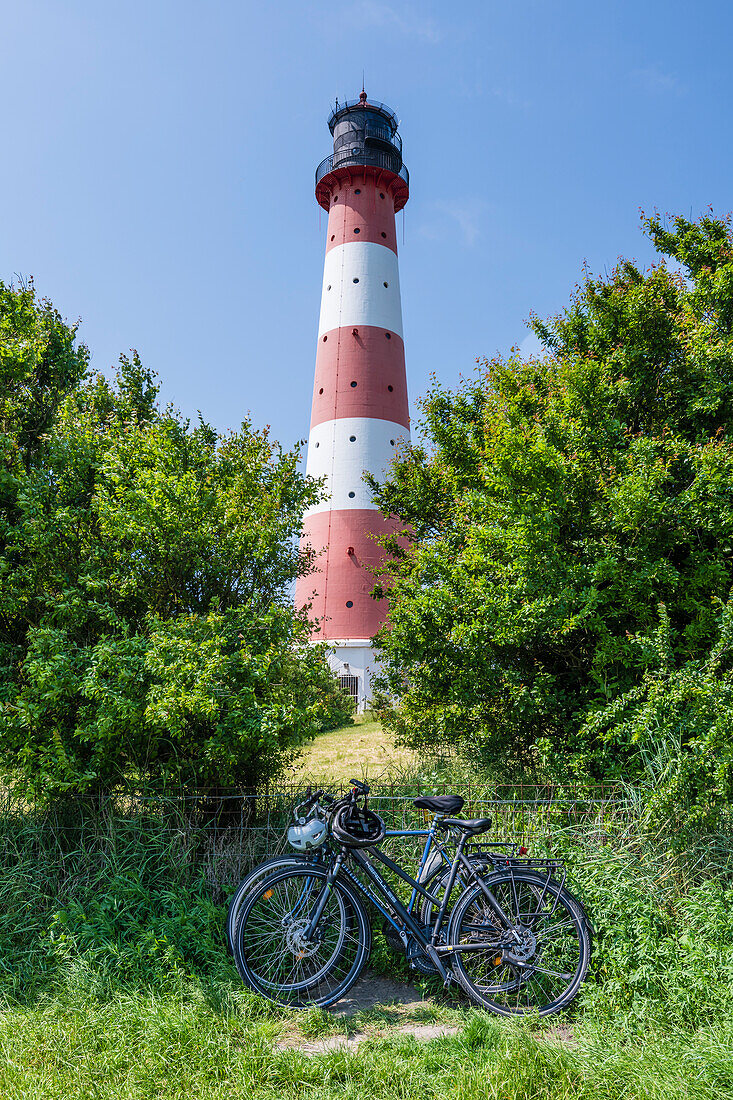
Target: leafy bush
[(146, 621), (680, 720), (553, 506)]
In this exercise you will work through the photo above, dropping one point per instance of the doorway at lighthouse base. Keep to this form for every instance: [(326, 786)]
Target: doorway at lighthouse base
[(353, 661)]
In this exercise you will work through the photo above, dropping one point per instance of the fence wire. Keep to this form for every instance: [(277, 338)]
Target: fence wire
[(226, 834)]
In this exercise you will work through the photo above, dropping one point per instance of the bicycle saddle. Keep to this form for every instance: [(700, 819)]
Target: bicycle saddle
[(440, 803), (472, 826)]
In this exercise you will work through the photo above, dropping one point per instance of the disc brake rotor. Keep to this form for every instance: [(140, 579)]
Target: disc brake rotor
[(296, 943)]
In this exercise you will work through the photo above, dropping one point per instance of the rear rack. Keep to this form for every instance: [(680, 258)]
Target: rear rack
[(546, 868), (476, 847), (501, 858)]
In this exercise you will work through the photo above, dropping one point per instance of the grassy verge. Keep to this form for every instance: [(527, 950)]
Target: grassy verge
[(190, 1045), (116, 984)]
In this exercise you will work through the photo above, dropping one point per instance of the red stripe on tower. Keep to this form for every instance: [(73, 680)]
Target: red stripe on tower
[(360, 411)]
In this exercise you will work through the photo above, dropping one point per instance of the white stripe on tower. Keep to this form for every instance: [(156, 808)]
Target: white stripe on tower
[(361, 286), (341, 450)]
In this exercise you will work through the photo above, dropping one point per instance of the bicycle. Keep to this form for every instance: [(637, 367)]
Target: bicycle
[(433, 862), (516, 940)]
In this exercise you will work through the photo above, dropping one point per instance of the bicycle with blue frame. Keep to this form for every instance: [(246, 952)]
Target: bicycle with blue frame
[(515, 939)]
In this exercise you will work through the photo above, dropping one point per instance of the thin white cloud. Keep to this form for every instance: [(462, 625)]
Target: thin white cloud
[(531, 346), (406, 19), (656, 81), (460, 219)]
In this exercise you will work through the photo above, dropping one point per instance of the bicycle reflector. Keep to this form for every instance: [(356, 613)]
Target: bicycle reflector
[(523, 851)]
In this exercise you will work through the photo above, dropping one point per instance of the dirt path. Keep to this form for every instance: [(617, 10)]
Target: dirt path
[(389, 1007), (373, 991), (377, 1007)]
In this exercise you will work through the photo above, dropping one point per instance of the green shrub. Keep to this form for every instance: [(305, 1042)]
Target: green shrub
[(145, 581), (553, 505)]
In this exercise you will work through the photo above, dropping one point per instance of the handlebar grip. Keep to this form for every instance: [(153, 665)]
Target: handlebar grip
[(311, 799), (364, 787)]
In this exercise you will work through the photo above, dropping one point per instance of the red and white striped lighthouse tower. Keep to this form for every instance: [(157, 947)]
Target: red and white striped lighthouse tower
[(360, 394)]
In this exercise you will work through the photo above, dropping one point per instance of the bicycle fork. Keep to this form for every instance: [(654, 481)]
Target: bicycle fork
[(310, 931)]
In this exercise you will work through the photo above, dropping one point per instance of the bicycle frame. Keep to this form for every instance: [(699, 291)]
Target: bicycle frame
[(429, 834), (393, 906)]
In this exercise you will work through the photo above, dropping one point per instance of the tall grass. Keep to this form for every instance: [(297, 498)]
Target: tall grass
[(116, 982), (166, 1047)]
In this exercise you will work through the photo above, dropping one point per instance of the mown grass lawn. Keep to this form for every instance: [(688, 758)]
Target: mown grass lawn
[(362, 750)]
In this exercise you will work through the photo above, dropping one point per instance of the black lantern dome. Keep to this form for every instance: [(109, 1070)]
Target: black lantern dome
[(364, 135)]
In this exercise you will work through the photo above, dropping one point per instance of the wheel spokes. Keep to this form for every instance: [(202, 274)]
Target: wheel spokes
[(276, 955), (545, 946)]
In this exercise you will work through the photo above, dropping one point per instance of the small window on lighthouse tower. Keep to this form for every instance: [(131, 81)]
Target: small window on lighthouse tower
[(355, 279), (352, 494), (349, 603), (352, 439)]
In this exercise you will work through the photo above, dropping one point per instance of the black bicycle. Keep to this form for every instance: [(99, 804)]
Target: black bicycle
[(311, 848), (516, 939)]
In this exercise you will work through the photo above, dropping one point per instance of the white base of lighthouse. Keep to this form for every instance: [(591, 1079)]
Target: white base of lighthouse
[(353, 661)]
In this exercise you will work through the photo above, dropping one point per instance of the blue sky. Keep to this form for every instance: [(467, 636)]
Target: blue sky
[(159, 159)]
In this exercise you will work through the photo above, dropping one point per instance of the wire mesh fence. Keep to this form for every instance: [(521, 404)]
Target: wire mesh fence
[(226, 834)]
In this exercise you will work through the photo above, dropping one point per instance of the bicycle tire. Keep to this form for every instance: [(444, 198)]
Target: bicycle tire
[(270, 954), (248, 884), (517, 988)]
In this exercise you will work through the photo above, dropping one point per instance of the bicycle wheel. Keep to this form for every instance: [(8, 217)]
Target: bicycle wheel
[(274, 958), (538, 963), (249, 882)]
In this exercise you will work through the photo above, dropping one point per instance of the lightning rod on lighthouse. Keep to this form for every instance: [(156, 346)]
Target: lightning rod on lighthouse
[(360, 411)]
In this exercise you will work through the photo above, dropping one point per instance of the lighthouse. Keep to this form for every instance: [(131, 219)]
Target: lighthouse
[(360, 411)]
